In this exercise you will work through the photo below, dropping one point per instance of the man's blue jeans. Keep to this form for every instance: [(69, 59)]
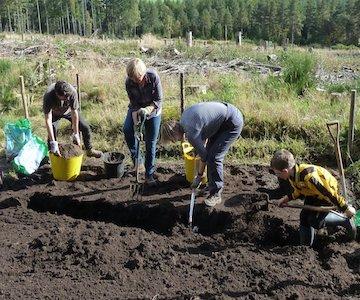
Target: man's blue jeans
[(152, 129)]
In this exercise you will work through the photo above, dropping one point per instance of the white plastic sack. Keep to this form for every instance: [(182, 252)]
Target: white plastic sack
[(30, 156)]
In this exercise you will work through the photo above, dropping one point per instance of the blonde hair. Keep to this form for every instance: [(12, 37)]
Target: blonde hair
[(135, 68), (282, 159), (169, 131)]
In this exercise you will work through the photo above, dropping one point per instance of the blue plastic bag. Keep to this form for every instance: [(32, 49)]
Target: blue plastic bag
[(16, 136)]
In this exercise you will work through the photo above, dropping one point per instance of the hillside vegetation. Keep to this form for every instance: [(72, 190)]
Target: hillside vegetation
[(286, 109)]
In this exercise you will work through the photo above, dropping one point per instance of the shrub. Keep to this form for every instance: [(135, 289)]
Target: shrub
[(5, 67), (299, 71)]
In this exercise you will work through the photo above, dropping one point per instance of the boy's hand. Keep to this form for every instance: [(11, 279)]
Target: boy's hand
[(350, 212), (283, 201)]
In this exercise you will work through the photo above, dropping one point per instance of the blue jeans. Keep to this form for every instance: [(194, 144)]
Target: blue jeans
[(217, 147), (152, 129)]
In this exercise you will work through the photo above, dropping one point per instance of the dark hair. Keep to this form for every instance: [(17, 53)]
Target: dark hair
[(62, 88)]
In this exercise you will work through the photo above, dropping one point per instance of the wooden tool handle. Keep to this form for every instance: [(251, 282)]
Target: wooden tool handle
[(312, 207)]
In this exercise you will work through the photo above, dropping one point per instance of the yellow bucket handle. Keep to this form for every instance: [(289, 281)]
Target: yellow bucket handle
[(187, 149)]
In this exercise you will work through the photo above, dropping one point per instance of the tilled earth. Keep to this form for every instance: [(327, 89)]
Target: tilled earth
[(88, 239)]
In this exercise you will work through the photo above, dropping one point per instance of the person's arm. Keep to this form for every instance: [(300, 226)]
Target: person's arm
[(196, 141), (49, 127), (54, 146), (133, 101), (326, 191), (75, 126), (158, 93), (75, 121)]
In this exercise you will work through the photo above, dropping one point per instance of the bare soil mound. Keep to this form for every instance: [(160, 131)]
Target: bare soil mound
[(88, 239)]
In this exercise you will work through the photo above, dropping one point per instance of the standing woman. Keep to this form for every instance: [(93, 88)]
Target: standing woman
[(145, 94)]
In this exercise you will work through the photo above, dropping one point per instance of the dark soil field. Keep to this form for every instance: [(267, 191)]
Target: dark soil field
[(88, 240)]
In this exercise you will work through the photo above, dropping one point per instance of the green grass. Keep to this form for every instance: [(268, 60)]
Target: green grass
[(275, 115)]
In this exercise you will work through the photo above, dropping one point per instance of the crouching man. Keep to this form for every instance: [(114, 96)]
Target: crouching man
[(61, 102)]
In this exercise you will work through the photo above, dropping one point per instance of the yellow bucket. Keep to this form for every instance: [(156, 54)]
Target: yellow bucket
[(65, 169), (191, 163)]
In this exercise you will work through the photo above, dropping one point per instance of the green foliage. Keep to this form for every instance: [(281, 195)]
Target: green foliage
[(5, 67), (299, 70), (7, 98), (344, 47)]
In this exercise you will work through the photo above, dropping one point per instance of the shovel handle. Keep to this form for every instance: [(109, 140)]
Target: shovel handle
[(336, 139), (335, 124), (312, 207)]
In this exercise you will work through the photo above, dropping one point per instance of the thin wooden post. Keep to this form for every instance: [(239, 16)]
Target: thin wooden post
[(189, 39), (26, 112), (78, 90), (39, 17), (182, 92), (225, 33), (351, 124), (239, 38)]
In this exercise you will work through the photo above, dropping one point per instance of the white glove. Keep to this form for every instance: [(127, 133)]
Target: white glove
[(196, 182), (350, 212), (145, 111), (76, 139), (54, 147)]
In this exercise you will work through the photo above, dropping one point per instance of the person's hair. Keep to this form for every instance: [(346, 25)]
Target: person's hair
[(135, 68), (282, 159), (62, 88), (169, 131)]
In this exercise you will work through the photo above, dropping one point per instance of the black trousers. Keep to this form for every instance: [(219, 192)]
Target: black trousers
[(83, 127)]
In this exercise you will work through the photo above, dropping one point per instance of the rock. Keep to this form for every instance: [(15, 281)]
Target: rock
[(196, 89), (335, 97), (146, 50), (272, 57), (9, 202)]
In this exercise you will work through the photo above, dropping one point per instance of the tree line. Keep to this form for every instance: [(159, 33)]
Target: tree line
[(324, 22)]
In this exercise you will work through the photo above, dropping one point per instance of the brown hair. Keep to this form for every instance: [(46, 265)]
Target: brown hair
[(168, 132), (282, 159)]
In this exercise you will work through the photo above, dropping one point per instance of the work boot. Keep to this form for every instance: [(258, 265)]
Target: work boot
[(150, 181), (93, 153), (212, 200)]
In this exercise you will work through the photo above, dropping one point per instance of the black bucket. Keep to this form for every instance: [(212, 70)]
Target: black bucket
[(114, 164)]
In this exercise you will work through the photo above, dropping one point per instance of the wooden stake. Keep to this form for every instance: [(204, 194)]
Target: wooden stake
[(189, 39), (26, 112), (351, 124), (182, 92), (78, 90)]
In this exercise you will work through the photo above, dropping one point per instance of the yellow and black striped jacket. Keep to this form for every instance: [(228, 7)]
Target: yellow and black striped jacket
[(316, 182)]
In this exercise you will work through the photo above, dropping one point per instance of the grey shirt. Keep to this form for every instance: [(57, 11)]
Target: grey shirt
[(150, 93), (200, 122), (51, 103)]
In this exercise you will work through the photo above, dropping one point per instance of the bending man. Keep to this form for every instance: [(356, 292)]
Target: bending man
[(219, 124)]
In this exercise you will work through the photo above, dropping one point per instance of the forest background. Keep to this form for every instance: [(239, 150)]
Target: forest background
[(325, 22)]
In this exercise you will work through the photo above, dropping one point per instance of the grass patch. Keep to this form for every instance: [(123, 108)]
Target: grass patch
[(299, 70)]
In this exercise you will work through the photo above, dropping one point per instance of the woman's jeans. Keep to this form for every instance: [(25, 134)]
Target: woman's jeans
[(152, 129)]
